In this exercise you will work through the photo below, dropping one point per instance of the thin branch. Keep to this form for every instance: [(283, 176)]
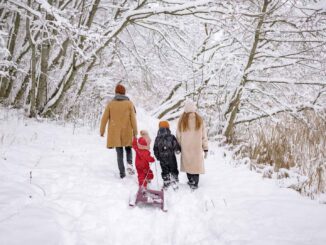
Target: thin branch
[(286, 82)]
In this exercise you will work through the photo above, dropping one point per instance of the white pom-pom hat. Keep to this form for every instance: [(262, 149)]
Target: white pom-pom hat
[(190, 106)]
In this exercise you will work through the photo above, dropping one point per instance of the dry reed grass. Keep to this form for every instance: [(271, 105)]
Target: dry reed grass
[(291, 144)]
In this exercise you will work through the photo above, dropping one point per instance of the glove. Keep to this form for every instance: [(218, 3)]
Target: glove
[(205, 154)]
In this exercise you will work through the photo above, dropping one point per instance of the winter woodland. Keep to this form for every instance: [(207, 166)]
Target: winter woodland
[(255, 68)]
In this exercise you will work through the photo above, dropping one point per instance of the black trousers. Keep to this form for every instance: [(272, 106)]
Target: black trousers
[(121, 165), (169, 167), (193, 178)]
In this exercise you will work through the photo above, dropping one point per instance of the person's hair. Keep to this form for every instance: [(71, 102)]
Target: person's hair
[(183, 124), (120, 89)]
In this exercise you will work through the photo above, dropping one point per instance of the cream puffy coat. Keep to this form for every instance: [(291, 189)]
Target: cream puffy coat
[(193, 143)]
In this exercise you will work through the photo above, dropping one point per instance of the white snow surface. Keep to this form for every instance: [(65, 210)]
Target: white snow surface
[(75, 195)]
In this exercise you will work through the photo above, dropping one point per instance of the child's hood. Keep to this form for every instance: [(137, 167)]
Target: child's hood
[(163, 131), (142, 141), (142, 144)]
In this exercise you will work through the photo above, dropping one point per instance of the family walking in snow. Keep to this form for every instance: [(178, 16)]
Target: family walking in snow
[(119, 118)]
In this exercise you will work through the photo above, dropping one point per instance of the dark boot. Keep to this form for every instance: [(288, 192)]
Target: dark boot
[(193, 180), (191, 183), (196, 180), (175, 178), (166, 181), (130, 169), (166, 184)]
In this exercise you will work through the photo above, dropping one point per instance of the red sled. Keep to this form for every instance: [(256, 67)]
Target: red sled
[(149, 197)]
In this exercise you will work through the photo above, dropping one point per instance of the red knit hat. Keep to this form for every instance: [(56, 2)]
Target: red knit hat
[(164, 124), (120, 89), (142, 141)]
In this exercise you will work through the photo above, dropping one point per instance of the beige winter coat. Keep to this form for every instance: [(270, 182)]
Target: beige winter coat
[(120, 118), (193, 143)]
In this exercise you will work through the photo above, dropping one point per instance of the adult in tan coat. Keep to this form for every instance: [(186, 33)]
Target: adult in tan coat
[(120, 119), (192, 137)]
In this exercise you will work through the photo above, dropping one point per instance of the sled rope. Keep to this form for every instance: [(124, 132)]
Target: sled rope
[(145, 180), (156, 174)]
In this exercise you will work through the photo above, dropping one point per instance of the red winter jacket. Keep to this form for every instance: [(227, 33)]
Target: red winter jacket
[(143, 158)]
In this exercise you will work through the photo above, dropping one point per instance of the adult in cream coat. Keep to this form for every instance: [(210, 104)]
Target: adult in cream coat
[(192, 137)]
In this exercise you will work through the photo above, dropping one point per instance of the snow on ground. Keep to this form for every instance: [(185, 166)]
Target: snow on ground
[(75, 196)]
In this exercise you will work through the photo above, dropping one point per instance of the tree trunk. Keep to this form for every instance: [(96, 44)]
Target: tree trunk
[(32, 110), (6, 82), (41, 97), (61, 54), (233, 108), (81, 88), (63, 87), (22, 90)]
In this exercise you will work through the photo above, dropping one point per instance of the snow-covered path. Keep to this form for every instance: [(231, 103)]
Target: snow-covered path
[(76, 197)]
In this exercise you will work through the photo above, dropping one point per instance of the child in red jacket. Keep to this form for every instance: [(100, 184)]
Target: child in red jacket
[(143, 158)]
